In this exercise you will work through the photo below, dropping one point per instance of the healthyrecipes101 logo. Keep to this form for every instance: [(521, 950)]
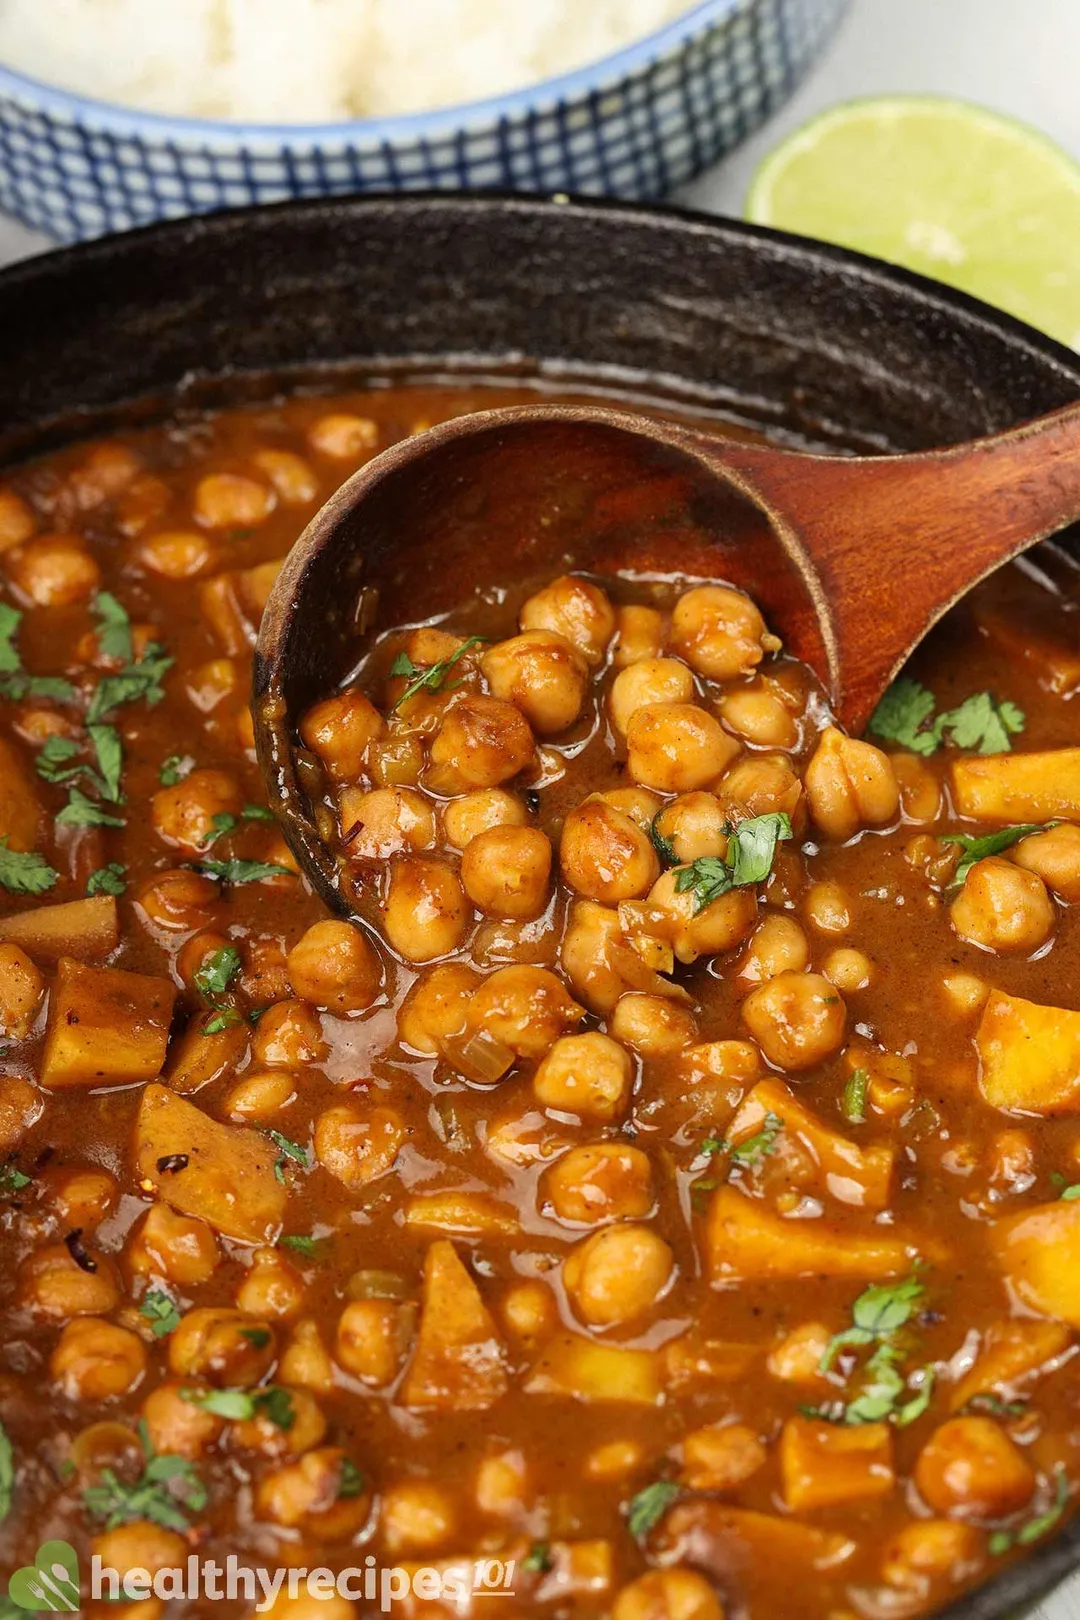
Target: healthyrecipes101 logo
[(51, 1584)]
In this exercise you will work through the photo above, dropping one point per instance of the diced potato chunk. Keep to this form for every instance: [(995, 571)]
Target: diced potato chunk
[(1013, 1351), (197, 1058), (224, 1174), (589, 1372), (105, 1026), (1039, 1253), (810, 1154), (20, 807), (468, 1214), (1019, 787), (459, 1361), (828, 1464), (745, 1241), (1029, 1056), (717, 1538), (86, 929), (21, 990)]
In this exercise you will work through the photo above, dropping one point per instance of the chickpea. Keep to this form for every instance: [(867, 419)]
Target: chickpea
[(971, 1468), (528, 1309), (798, 1356), (272, 1287), (525, 1008), (778, 945), (373, 1338), (668, 1594), (22, 988), (183, 816), (381, 822), (600, 1181), (850, 785), (649, 681), (639, 634), (179, 901), (106, 471), (641, 805), (339, 730), (604, 855), (264, 975), (55, 570), (466, 818), (798, 1019), (501, 1485), (576, 609), (293, 480), (1003, 907), (289, 1036), (507, 872), (653, 1026), (95, 1359), (721, 1457), (965, 993), (416, 1516), (81, 1198), (436, 1006), (717, 927), (827, 908), (848, 970), (307, 1495), (176, 554), (694, 826), (305, 1361), (335, 966), (17, 521), (543, 674), (260, 1095), (677, 747), (760, 716), (617, 1274), (759, 787), (356, 1143), (1054, 856), (425, 913), (588, 1075), (920, 790), (178, 1427), (226, 1348), (615, 1460), (53, 1284), (482, 742), (232, 501), (343, 436), (261, 1433), (931, 1549), (719, 632), (21, 1106), (140, 1549), (177, 1247), (593, 932)]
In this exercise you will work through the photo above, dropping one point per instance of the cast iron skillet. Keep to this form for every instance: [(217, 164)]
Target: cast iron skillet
[(810, 339)]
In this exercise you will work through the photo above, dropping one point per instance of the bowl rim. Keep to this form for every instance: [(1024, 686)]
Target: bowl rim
[(559, 88)]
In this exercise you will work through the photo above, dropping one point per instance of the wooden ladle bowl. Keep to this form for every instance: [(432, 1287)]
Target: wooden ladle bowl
[(852, 560)]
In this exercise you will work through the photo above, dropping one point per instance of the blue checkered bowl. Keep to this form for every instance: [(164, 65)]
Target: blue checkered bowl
[(635, 124)]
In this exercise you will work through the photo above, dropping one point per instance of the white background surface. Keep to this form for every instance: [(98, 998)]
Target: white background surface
[(1019, 56)]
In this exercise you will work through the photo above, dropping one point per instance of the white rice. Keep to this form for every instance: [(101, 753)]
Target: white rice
[(312, 61)]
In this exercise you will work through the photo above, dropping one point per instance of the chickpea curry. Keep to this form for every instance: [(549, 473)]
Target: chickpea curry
[(671, 1186)]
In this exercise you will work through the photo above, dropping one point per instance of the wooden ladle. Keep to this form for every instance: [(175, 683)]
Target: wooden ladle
[(852, 560)]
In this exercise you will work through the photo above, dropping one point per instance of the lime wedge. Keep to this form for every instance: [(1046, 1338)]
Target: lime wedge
[(943, 187)]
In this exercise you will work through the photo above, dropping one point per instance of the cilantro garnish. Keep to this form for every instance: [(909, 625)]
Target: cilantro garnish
[(114, 627), (538, 1560), (165, 1493), (15, 683), (430, 679), (978, 848), (982, 723), (241, 1405), (136, 682), (159, 1309), (288, 1150), (1003, 1541), (312, 1248), (7, 1474), (224, 1018), (663, 846), (904, 716), (10, 620), (174, 769), (645, 1510), (12, 1180), (235, 871), (754, 1148), (107, 879), (83, 812), (24, 873), (853, 1101), (879, 1312), (218, 971), (750, 854), (351, 1483)]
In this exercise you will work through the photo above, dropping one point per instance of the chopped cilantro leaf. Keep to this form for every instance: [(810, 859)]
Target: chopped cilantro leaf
[(12, 1180), (109, 752), (224, 1018), (257, 1336), (879, 1312), (218, 971), (10, 620), (311, 1248), (902, 715), (708, 877), (220, 825), (136, 682), (1071, 1193), (645, 1510), (24, 872), (53, 762), (1003, 1541), (165, 1493), (83, 812), (159, 1309), (351, 1482), (114, 627), (664, 848), (235, 871), (982, 723), (750, 854), (538, 1560), (174, 769), (430, 679), (288, 1150), (256, 812), (7, 1474), (978, 848), (853, 1101), (107, 879)]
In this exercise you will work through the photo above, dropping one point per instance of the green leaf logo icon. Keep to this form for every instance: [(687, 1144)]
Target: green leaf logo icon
[(51, 1582)]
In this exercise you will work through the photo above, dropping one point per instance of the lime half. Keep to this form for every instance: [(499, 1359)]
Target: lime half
[(943, 187)]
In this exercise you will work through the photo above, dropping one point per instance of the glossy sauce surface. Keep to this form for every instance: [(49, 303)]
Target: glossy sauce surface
[(410, 1253)]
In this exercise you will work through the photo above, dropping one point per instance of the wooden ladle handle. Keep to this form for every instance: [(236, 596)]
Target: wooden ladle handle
[(895, 540)]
